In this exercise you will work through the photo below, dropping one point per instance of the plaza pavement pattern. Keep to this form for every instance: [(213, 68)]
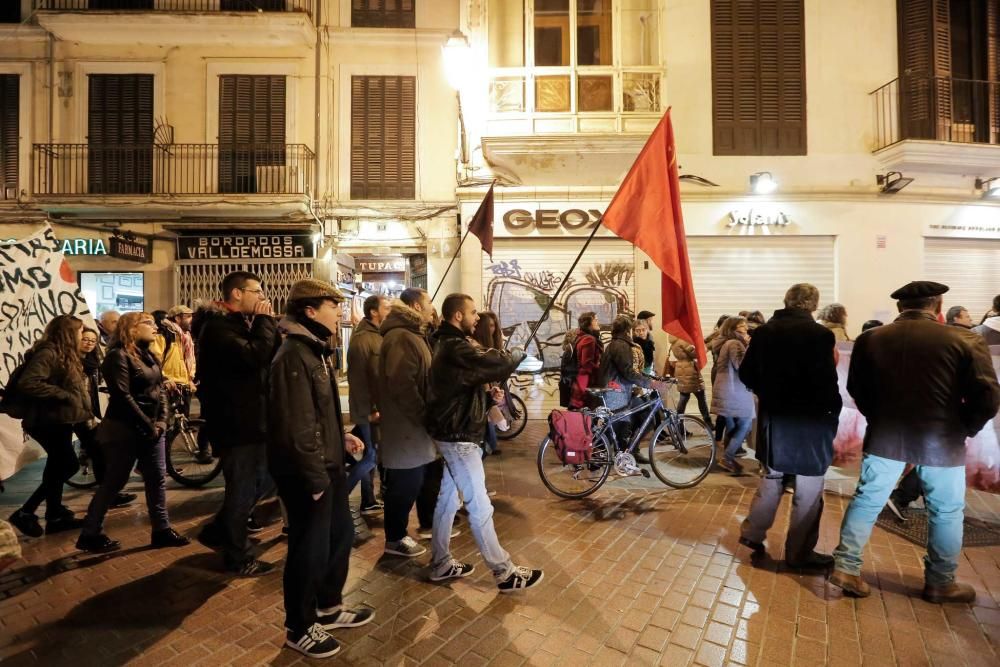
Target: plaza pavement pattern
[(635, 575)]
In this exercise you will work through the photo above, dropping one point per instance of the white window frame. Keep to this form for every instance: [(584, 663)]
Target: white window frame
[(24, 124)]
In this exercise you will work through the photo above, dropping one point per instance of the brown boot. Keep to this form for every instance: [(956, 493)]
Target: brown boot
[(953, 592), (852, 584)]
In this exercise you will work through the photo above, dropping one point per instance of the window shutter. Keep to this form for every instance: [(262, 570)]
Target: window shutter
[(251, 130), (383, 137), (924, 68), (383, 13), (120, 133), (993, 66), (9, 134), (10, 11), (758, 77)]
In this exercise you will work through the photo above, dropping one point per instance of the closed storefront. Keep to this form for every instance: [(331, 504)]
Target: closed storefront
[(970, 267)]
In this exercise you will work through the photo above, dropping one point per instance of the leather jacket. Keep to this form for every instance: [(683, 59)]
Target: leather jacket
[(135, 384)]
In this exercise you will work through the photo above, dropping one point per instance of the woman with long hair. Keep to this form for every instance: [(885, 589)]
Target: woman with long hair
[(54, 387), (731, 399), (489, 336), (834, 318), (133, 430)]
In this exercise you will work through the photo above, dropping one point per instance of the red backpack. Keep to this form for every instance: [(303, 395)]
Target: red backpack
[(571, 433)]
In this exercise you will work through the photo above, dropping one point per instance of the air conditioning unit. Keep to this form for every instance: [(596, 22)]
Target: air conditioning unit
[(280, 180), (9, 191)]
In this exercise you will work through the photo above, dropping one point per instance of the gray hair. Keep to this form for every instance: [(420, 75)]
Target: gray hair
[(802, 296)]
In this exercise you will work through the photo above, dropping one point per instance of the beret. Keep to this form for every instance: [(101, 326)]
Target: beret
[(179, 310), (644, 314), (919, 289)]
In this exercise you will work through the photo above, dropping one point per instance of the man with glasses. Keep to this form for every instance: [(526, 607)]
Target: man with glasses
[(235, 348)]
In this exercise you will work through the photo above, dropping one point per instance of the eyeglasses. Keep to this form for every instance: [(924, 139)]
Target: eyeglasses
[(148, 323), (255, 291)]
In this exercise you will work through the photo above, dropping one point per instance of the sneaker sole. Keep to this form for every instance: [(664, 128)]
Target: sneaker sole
[(405, 554), (334, 626), (372, 512), (436, 578), (518, 590), (306, 653)]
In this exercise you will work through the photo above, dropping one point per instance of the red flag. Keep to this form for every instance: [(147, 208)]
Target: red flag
[(482, 223), (646, 211)]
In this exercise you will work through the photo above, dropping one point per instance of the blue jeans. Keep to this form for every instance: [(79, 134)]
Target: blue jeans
[(361, 471), (737, 429), (490, 441), (944, 494), (244, 468), (121, 457), (463, 473)]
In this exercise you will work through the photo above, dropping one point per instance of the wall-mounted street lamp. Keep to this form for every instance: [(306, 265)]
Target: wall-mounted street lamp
[(762, 183), (456, 55), (989, 187), (891, 182)]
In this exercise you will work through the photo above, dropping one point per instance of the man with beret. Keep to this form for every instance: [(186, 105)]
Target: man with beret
[(924, 389), (305, 452)]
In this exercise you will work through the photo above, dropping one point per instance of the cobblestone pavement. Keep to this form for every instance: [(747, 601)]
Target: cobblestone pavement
[(634, 575)]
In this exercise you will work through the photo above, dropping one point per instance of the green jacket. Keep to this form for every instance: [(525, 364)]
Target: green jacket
[(362, 370)]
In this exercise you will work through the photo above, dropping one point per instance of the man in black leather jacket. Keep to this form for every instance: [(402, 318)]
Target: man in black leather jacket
[(456, 420)]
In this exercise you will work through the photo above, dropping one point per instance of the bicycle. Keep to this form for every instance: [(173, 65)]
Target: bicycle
[(681, 449), (182, 451)]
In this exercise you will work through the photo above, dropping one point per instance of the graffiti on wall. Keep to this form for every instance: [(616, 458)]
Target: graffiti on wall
[(519, 297)]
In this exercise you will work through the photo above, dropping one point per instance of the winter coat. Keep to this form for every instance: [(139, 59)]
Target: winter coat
[(839, 332), (234, 356), (990, 330), (618, 370), (686, 372), (730, 397), (648, 350), (404, 365), (362, 370), (790, 366), (924, 389), (92, 369), (589, 352), (48, 394), (713, 343), (305, 435), (136, 401), (460, 371)]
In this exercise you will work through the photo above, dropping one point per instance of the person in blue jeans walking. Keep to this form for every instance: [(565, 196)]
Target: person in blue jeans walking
[(456, 420), (924, 388)]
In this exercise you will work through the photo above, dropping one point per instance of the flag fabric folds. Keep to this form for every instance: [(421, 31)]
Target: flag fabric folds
[(646, 211), (481, 224)]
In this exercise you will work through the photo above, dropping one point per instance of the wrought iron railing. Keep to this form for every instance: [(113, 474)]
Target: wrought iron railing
[(172, 169), (179, 5), (936, 109)]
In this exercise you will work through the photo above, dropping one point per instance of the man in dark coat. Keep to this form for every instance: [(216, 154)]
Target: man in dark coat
[(924, 389), (306, 446), (790, 366), (235, 348)]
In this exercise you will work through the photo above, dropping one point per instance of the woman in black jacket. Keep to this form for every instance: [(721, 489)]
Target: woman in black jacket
[(54, 391), (133, 429)]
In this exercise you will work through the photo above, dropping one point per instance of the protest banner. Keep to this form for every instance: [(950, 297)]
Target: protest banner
[(36, 285)]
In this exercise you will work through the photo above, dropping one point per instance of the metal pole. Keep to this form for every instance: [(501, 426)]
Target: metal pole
[(453, 258)]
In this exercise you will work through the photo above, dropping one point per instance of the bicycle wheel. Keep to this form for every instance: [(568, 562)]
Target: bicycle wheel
[(682, 451), (574, 480), (182, 464), (84, 477), (518, 419)]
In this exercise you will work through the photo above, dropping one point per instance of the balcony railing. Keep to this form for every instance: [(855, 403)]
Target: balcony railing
[(937, 109), (179, 5), (173, 169)]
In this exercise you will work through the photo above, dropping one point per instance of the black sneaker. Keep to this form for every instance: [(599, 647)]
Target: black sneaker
[(756, 547), (97, 544), (27, 523), (63, 512), (168, 537), (62, 524), (209, 537), (123, 499), (252, 568), (340, 617), (453, 570), (406, 547), (374, 508), (253, 526), (314, 642), (520, 579)]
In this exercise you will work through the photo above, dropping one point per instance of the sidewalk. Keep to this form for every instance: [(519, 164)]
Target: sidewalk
[(635, 575)]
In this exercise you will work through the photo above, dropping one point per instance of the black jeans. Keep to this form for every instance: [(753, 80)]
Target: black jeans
[(121, 457), (702, 405), (60, 465), (88, 443), (403, 488), (320, 535), (247, 481)]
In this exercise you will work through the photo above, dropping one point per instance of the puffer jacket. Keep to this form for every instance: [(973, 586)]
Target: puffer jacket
[(305, 435), (52, 396), (136, 400), (460, 370), (362, 370), (404, 365), (730, 397), (990, 330), (689, 380)]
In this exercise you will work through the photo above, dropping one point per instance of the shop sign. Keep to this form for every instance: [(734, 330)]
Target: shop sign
[(380, 264), (77, 246), (267, 246), (758, 217), (130, 248), (549, 218)]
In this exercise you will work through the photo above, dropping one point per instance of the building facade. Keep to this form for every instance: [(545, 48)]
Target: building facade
[(824, 98)]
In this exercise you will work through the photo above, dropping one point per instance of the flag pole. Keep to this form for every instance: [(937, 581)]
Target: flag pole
[(453, 258), (475, 219)]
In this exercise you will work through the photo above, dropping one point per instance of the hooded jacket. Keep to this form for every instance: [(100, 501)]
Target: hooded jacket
[(50, 395), (305, 436), (460, 370), (404, 364), (990, 330), (362, 370)]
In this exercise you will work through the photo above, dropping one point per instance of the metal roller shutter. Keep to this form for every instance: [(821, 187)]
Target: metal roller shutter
[(523, 275), (970, 267), (200, 280)]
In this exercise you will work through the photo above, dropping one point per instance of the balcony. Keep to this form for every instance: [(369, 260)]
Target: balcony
[(940, 124), (258, 22), (78, 175)]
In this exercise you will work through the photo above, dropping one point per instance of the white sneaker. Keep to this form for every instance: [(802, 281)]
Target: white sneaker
[(428, 533), (406, 547), (453, 570)]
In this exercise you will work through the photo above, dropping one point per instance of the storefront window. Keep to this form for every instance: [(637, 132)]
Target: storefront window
[(121, 291)]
